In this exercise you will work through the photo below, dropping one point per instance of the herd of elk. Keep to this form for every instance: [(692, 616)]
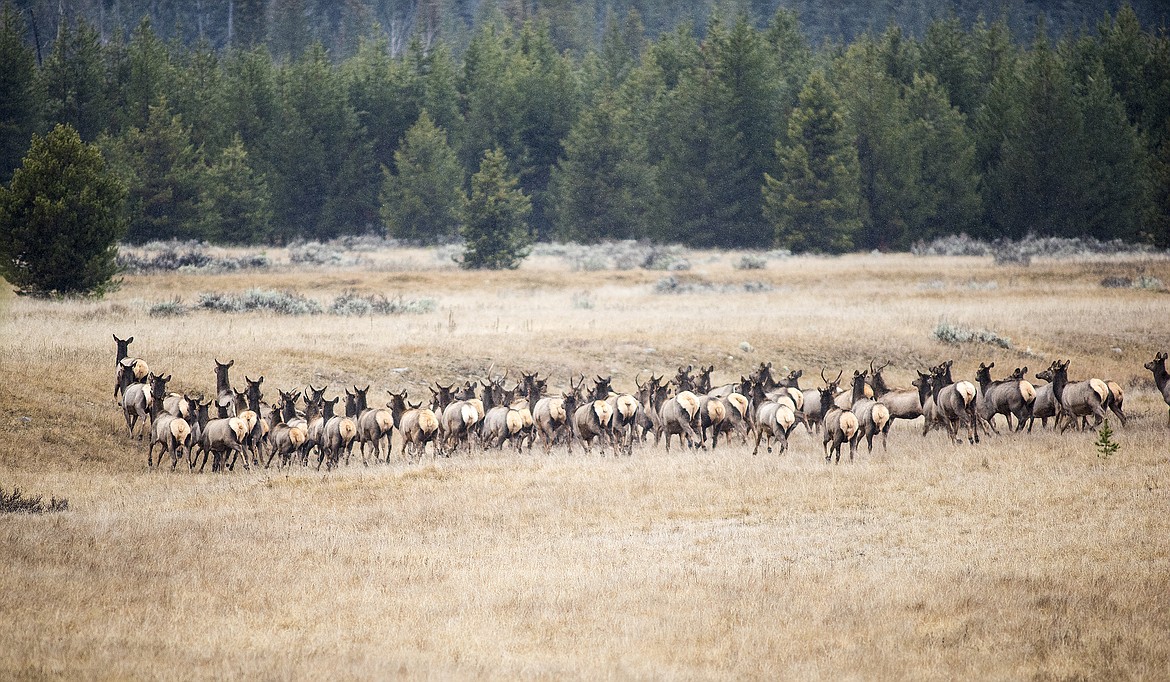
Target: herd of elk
[(486, 414)]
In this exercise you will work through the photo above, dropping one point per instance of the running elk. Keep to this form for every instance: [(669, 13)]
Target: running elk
[(1077, 398), (955, 402), (126, 367), (1161, 379), (1011, 397)]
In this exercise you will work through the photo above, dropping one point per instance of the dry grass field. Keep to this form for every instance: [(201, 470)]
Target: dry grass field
[(1025, 557)]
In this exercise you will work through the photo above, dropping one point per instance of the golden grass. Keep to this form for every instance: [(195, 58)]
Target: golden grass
[(1024, 557)]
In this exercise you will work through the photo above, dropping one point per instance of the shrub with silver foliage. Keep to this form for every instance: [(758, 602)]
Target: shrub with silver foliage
[(948, 333)]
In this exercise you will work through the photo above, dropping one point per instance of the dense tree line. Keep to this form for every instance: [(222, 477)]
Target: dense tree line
[(741, 134)]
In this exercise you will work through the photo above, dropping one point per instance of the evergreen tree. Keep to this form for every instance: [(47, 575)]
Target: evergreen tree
[(18, 92), (701, 186), (948, 52), (324, 180), (1036, 185), (385, 95), (289, 34), (602, 187), (813, 200), (164, 174), (887, 149), (423, 200), (74, 82), (947, 200), (149, 76), (61, 218), (237, 206), (793, 61), (495, 233), (197, 96), (747, 72), (1116, 198), (548, 95)]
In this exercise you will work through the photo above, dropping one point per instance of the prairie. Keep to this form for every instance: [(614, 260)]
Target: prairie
[(1026, 556)]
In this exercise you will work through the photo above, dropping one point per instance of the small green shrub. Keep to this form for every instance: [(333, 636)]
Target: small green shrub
[(1106, 446)]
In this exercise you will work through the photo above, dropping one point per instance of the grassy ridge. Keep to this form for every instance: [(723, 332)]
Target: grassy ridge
[(1026, 556)]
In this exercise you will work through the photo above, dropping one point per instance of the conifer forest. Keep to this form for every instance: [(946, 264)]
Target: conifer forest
[(812, 126)]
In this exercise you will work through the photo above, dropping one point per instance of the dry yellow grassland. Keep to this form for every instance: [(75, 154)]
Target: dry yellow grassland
[(1027, 556)]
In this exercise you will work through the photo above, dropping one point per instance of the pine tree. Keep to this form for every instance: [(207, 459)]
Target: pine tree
[(74, 82), (324, 180), (947, 197), (150, 75), (1117, 194), (813, 200), (61, 218), (164, 174), (747, 70), (18, 92), (236, 207), (495, 233), (423, 200), (1036, 185), (887, 150), (602, 186), (948, 52)]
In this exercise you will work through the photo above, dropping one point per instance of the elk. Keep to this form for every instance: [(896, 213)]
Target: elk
[(179, 405), (1010, 397), (418, 425), (254, 439), (135, 369), (1044, 406), (712, 414), (500, 421), (703, 381), (901, 403), (648, 419), (223, 385), (336, 435), (624, 408), (591, 420), (679, 416), (171, 433), (1114, 402), (315, 411), (955, 403), (1161, 379), (840, 426), (551, 416), (773, 418), (284, 439), (872, 416), (1078, 398), (736, 407), (219, 437), (374, 425), (457, 418), (138, 400)]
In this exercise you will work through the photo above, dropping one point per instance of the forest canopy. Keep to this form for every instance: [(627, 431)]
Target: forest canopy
[(750, 125)]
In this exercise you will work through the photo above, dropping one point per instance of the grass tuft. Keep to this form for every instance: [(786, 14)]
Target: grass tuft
[(16, 503)]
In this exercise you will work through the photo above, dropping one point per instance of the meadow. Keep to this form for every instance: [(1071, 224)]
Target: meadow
[(1026, 556)]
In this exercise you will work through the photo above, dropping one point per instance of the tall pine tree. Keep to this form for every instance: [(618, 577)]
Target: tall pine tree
[(812, 202)]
